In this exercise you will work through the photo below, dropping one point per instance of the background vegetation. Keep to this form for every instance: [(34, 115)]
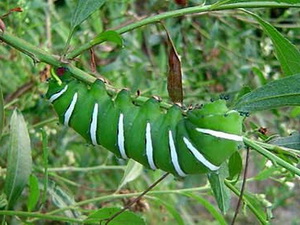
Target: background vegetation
[(222, 53)]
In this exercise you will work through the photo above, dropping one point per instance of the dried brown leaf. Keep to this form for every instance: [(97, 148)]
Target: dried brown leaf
[(181, 2), (174, 74)]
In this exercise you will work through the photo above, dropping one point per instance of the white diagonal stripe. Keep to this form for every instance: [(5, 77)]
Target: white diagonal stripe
[(149, 147), (199, 156), (121, 137), (70, 110), (220, 134), (93, 128), (174, 157), (58, 94)]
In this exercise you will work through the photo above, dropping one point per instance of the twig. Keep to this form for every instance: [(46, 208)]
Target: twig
[(181, 12), (242, 188), (136, 199)]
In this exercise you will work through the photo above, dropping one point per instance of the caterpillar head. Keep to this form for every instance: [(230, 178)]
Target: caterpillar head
[(212, 127), (60, 77)]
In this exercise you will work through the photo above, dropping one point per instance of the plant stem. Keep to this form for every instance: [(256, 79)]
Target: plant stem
[(136, 199), (118, 196), (249, 205), (86, 169), (271, 156), (242, 188), (181, 12), (39, 215), (37, 54)]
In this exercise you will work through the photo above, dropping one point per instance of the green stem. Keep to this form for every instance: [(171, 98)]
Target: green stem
[(271, 156), (40, 216), (45, 164), (177, 13), (248, 203), (118, 196), (279, 149), (86, 169), (39, 55)]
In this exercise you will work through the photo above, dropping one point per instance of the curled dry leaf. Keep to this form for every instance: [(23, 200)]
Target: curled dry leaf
[(17, 9), (174, 75)]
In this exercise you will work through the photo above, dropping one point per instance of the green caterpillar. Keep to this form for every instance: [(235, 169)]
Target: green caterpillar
[(180, 143)]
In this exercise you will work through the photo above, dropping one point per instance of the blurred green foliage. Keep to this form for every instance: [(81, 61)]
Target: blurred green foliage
[(221, 53)]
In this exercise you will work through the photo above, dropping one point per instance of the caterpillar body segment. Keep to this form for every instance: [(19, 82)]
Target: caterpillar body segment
[(167, 140)]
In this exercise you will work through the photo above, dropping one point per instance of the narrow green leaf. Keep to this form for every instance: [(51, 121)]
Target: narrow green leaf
[(278, 93), (3, 201), (292, 141), (109, 35), (251, 203), (235, 166), (1, 112), (287, 53), (221, 192), (34, 192), (218, 216), (19, 162), (256, 71), (126, 218), (171, 208), (45, 164), (266, 173), (256, 203), (62, 199), (83, 10), (132, 171)]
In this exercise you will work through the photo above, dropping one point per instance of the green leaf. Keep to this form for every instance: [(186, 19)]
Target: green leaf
[(221, 192), (19, 162), (3, 201), (256, 71), (133, 170), (292, 141), (1, 112), (235, 166), (45, 164), (83, 10), (266, 173), (278, 93), (256, 203), (218, 216), (125, 218), (34, 193), (62, 199), (109, 35), (171, 208), (287, 53)]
